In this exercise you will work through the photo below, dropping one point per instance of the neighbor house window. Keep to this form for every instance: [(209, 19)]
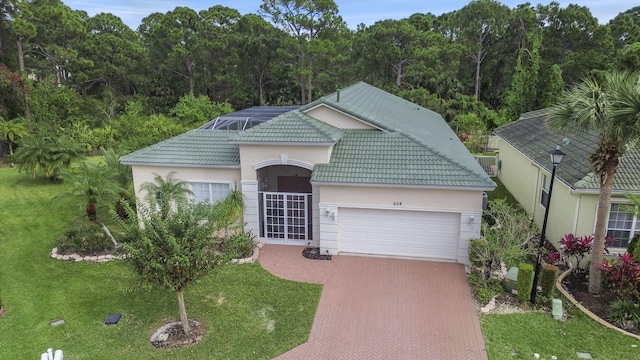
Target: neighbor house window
[(544, 191), (622, 225), (211, 192)]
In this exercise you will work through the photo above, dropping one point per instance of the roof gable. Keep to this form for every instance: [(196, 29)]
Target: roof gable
[(531, 136), (395, 114), (292, 127), (382, 158)]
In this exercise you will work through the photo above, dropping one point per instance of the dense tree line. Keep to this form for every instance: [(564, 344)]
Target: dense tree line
[(98, 83)]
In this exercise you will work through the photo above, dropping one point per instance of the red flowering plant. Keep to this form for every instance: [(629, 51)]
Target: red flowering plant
[(576, 249), (463, 136), (622, 276)]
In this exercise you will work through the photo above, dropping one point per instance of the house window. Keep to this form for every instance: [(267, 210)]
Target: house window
[(544, 191), (211, 192), (622, 225)]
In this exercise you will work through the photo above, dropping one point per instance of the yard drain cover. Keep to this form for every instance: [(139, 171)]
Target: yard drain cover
[(112, 319)]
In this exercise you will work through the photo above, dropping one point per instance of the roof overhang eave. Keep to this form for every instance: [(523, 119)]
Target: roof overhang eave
[(426, 187), (212, 166), (331, 143)]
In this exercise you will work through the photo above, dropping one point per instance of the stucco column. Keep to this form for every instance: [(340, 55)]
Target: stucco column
[(251, 206)]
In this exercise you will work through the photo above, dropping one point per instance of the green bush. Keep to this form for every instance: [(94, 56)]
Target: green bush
[(239, 245), (633, 247), (525, 281), (85, 238), (625, 314), (548, 279), (485, 290), (507, 237)]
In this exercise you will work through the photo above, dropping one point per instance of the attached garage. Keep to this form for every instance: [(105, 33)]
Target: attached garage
[(423, 234)]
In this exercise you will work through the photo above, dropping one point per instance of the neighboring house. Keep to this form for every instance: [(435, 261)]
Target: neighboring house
[(358, 171), (525, 171)]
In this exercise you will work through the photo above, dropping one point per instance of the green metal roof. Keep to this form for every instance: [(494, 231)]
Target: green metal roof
[(415, 146), (291, 127), (395, 114), (531, 136), (199, 148), (383, 158)]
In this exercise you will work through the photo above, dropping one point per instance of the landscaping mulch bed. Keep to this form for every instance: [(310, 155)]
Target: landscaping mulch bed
[(172, 336), (314, 253), (577, 285)]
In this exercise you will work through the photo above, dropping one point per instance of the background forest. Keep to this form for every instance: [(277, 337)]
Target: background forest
[(68, 80)]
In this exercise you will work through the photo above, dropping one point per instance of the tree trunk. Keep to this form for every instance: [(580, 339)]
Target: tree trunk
[(479, 59), (604, 201), (92, 212), (183, 312), (20, 54)]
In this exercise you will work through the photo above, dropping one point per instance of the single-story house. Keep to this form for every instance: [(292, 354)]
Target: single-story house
[(526, 168), (358, 171)]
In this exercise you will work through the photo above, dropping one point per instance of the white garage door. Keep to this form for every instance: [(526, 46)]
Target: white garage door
[(399, 233)]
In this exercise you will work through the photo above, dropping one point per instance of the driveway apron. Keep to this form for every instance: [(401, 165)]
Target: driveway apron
[(383, 308)]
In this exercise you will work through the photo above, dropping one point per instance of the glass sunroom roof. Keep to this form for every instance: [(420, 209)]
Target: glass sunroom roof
[(247, 118)]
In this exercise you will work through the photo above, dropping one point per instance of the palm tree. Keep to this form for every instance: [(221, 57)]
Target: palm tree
[(12, 130), (42, 153), (166, 190), (229, 210), (92, 183), (610, 108)]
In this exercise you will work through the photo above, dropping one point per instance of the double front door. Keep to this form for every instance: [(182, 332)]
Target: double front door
[(286, 218)]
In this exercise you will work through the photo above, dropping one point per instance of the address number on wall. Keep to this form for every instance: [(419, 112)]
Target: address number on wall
[(397, 203)]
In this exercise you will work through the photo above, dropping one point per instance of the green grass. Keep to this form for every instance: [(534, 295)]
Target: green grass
[(247, 313), (501, 192), (519, 336)]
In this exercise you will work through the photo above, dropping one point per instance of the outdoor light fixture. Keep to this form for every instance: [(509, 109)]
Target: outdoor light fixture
[(556, 157)]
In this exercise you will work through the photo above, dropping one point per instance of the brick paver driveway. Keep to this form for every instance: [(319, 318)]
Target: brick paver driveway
[(381, 308)]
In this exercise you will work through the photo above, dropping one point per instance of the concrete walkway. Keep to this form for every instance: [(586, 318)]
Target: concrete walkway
[(381, 308)]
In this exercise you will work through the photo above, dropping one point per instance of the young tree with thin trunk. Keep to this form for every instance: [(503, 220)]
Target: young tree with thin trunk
[(610, 108), (173, 249)]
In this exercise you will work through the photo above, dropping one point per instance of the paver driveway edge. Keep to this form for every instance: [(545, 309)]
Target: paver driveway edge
[(383, 308)]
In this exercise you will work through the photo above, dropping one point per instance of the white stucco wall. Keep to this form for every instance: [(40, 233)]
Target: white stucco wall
[(468, 204), (142, 174), (570, 211), (253, 157), (336, 118)]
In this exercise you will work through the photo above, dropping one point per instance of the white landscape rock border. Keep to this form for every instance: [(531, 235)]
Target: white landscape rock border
[(88, 258), (104, 258), (254, 257)]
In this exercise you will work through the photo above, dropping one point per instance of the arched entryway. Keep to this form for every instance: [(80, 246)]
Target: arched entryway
[(285, 204)]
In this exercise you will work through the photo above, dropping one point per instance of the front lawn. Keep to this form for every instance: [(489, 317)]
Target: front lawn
[(247, 313), (519, 336)]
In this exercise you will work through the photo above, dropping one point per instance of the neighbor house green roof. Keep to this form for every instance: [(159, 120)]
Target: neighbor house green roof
[(196, 148), (531, 136), (383, 158)]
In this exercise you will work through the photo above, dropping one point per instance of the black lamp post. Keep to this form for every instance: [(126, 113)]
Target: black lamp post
[(556, 158)]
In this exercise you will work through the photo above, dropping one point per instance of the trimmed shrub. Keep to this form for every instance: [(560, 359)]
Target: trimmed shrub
[(548, 279), (624, 314), (85, 238), (239, 245), (525, 281)]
